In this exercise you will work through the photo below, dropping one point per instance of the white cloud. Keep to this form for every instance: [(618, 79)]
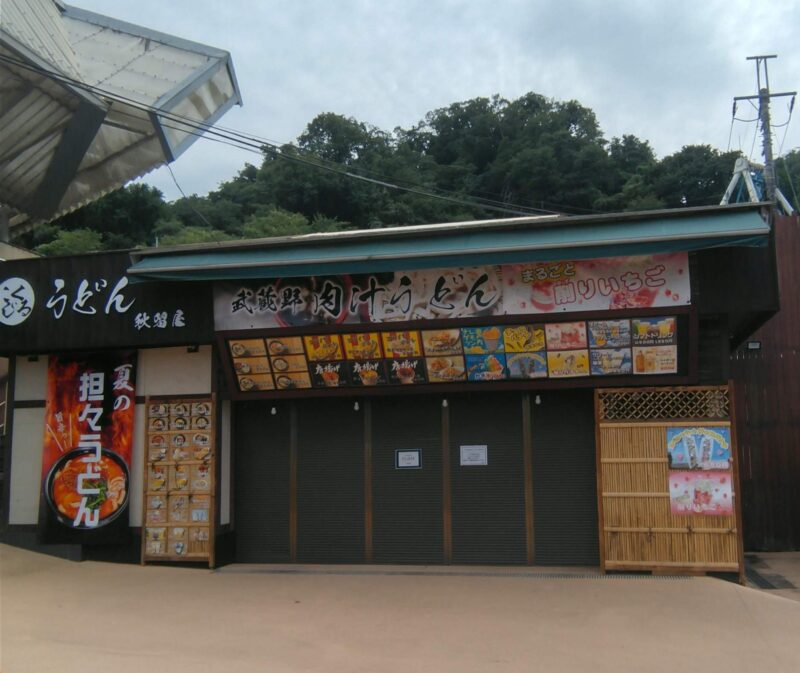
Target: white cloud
[(664, 71)]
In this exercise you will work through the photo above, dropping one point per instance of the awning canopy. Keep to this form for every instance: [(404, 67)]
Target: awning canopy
[(460, 244)]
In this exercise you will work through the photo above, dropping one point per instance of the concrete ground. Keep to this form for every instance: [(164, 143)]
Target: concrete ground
[(778, 573), (58, 615)]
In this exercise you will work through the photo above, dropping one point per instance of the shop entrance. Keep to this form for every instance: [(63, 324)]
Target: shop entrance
[(487, 500), (564, 479), (407, 519), (472, 478)]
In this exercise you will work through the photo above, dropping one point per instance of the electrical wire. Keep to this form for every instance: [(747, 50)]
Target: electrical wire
[(245, 141), (196, 212), (791, 185)]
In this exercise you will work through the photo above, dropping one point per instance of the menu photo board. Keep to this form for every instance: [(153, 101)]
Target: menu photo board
[(525, 351), (368, 373), (568, 364), (615, 347), (486, 367), (445, 369), (179, 480), (329, 374), (406, 371)]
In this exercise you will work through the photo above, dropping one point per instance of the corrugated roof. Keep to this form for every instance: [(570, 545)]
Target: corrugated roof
[(459, 244), (81, 97)]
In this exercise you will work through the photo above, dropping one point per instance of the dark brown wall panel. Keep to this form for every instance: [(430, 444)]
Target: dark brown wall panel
[(488, 502), (330, 481), (407, 504), (261, 459), (564, 479), (767, 388)]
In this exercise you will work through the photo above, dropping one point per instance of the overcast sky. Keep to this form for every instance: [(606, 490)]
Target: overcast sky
[(663, 70)]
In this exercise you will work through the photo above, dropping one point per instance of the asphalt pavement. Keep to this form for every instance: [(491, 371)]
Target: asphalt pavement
[(59, 615)]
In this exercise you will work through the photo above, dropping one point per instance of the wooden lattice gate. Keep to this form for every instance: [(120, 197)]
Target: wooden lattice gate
[(668, 480)]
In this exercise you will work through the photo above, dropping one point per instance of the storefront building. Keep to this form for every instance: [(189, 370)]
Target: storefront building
[(528, 391)]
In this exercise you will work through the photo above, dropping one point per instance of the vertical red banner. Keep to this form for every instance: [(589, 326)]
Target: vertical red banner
[(88, 441)]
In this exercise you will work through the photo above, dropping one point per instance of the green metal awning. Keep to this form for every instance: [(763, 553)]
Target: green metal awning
[(460, 244)]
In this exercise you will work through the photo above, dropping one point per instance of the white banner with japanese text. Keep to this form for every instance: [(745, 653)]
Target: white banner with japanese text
[(467, 292)]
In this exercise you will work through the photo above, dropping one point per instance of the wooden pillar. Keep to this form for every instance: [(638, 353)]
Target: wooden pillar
[(447, 511), (368, 481), (293, 482), (527, 461)]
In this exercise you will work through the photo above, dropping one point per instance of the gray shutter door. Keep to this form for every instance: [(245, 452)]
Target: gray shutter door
[(261, 468), (330, 481), (407, 503), (564, 479), (488, 502)]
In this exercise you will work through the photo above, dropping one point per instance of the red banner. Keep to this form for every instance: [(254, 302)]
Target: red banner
[(88, 439)]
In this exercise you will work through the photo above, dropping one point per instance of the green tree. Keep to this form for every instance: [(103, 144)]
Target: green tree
[(71, 243), (193, 234), (126, 217), (275, 222), (697, 175), (787, 173)]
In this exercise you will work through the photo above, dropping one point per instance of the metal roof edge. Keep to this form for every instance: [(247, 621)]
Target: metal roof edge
[(175, 95), (44, 68), (86, 16), (313, 262), (442, 229), (213, 119)]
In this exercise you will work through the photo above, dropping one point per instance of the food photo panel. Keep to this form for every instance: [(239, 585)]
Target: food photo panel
[(526, 365), (443, 369), (408, 371), (368, 373), (482, 340), (524, 338), (329, 374), (442, 342), (565, 336), (486, 367), (609, 333)]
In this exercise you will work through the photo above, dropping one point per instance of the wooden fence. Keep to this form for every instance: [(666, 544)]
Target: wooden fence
[(640, 528)]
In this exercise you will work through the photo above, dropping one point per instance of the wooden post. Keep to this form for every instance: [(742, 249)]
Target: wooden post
[(368, 481), (293, 483), (737, 484), (527, 462), (599, 468), (447, 512)]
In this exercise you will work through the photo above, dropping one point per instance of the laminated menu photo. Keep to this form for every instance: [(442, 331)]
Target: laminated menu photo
[(526, 365), (486, 367)]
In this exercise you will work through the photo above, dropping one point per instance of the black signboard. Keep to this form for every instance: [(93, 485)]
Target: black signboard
[(87, 302), (407, 371), (329, 374)]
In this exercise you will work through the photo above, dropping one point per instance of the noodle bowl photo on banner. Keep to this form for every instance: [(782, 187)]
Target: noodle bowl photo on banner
[(88, 439)]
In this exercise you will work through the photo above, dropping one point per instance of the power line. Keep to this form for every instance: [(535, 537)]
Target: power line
[(248, 142)]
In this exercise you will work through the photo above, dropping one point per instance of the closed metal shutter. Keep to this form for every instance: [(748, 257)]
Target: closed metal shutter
[(564, 479), (261, 464), (488, 502), (330, 481), (407, 503)]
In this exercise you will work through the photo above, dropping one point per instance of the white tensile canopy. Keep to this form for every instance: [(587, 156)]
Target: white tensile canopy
[(88, 103)]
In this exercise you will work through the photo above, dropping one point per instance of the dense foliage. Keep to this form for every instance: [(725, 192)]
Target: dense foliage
[(486, 157)]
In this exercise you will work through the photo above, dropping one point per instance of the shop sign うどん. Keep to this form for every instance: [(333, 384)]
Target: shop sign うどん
[(89, 302), (538, 288)]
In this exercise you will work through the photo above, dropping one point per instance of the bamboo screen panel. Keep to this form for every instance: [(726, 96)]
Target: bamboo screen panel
[(639, 530)]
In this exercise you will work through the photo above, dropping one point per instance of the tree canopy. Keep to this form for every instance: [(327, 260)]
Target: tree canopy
[(485, 157)]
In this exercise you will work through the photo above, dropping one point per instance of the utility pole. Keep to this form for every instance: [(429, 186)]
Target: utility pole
[(763, 96)]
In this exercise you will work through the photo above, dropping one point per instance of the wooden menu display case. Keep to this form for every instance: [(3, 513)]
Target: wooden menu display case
[(180, 457)]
